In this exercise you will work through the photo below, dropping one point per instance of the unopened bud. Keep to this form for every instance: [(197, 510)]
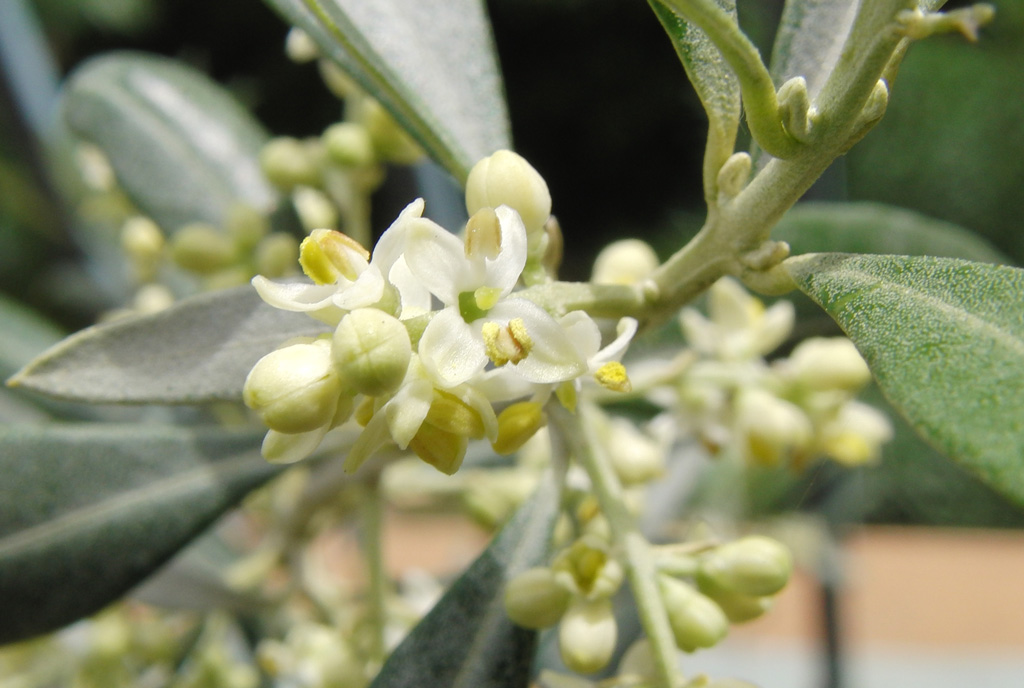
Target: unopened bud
[(246, 225), (533, 599), (349, 144), (517, 424), (771, 429), (294, 389), (754, 565), (627, 261), (299, 47), (822, 363), (734, 174), (277, 255), (143, 241), (741, 608), (371, 350), (202, 248), (288, 163), (696, 620), (390, 141), (587, 635), (636, 457), (506, 178)]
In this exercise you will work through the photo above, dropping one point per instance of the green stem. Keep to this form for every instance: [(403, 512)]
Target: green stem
[(640, 564), (756, 85)]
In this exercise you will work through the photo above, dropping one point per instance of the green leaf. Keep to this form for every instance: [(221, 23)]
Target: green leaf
[(716, 85), (810, 40), (467, 641), (181, 146), (431, 63), (878, 228), (199, 350), (90, 510), (945, 341)]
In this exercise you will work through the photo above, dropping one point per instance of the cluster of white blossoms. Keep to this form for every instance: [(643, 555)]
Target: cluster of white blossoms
[(431, 347), (789, 411)]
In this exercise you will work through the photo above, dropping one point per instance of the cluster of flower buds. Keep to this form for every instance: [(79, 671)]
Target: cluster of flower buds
[(431, 347), (732, 583), (575, 593), (787, 412)]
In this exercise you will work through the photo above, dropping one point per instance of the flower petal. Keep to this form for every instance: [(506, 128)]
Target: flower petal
[(504, 270), (407, 409), (553, 357), (391, 244), (438, 259), (365, 291), (279, 447), (450, 351)]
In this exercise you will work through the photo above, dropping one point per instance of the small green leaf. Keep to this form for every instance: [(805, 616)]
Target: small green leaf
[(199, 350), (945, 340), (878, 228), (467, 640), (181, 146), (431, 63), (715, 83), (90, 510)]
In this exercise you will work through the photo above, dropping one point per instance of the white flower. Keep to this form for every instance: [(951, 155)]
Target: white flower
[(739, 326)]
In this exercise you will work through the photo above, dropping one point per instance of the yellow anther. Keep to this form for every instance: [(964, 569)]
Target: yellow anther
[(451, 414), (509, 344), (516, 424), (483, 234), (612, 375), (325, 255)]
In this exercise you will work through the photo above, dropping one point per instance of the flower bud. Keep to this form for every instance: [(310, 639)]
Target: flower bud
[(695, 619), (636, 457), (587, 635), (202, 248), (372, 351), (294, 389), (349, 144), (505, 178), (246, 225), (300, 47), (740, 608), (390, 141), (828, 363), (585, 568), (627, 261), (288, 163), (143, 242), (754, 565), (314, 208), (771, 429), (517, 424), (277, 255), (533, 599)]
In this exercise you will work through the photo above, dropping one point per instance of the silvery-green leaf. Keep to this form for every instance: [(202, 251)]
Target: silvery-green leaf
[(181, 146), (467, 639), (864, 227), (199, 350), (716, 85), (90, 510), (431, 63), (945, 341), (810, 39)]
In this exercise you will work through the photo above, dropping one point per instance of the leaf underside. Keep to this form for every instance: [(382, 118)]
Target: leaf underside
[(88, 511), (945, 340)]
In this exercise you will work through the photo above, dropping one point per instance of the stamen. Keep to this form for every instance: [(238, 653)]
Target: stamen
[(612, 375), (483, 235), (509, 344)]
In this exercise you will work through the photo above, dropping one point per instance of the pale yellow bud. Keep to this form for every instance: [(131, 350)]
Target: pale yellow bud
[(390, 141), (696, 620), (202, 248), (587, 635), (771, 429), (143, 241), (828, 363), (741, 608), (299, 47), (506, 178), (517, 424), (314, 208), (288, 163), (294, 389), (277, 255), (753, 565), (371, 350), (636, 457), (534, 599), (349, 144), (627, 261), (246, 225)]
